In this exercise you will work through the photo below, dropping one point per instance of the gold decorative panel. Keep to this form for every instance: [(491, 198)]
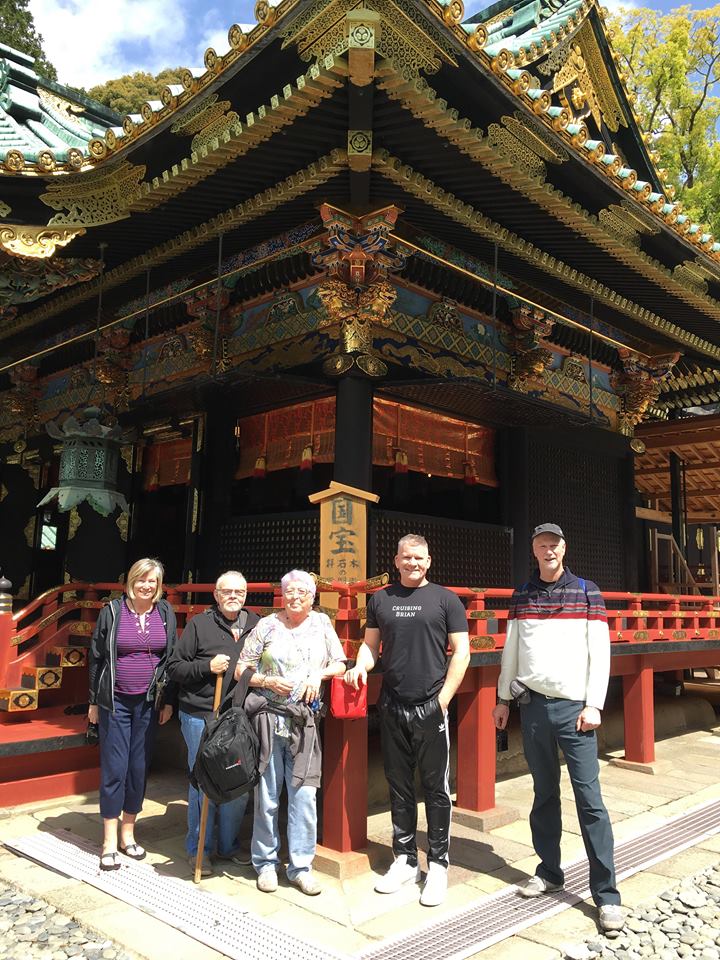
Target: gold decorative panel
[(360, 150), (407, 38), (585, 70), (207, 120), (101, 196)]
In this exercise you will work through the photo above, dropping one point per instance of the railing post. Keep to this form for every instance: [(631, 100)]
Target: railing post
[(476, 743), (345, 756), (7, 629), (639, 714), (476, 748)]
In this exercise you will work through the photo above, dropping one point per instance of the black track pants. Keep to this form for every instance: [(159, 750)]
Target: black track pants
[(417, 736)]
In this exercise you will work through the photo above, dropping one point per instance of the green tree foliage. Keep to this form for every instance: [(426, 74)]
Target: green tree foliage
[(17, 29), (673, 66), (127, 94)]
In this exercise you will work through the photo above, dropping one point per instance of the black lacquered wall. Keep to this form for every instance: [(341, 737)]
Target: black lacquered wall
[(463, 553), (265, 547), (585, 492)]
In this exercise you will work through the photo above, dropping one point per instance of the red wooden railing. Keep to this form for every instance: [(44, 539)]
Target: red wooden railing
[(648, 631)]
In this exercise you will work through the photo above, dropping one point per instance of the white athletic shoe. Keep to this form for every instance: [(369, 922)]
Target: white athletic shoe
[(537, 886), (435, 889), (400, 873)]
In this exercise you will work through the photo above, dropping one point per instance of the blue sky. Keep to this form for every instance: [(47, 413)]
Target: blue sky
[(91, 41)]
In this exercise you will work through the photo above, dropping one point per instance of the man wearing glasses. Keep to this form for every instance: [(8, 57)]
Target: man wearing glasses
[(556, 663), (210, 643)]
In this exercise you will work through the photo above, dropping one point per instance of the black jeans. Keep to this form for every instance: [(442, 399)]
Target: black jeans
[(546, 725), (417, 736)]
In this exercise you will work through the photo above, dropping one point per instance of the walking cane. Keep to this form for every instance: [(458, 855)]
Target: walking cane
[(205, 801)]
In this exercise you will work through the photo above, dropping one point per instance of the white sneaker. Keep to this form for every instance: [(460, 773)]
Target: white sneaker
[(537, 886), (400, 873), (435, 889), (611, 917)]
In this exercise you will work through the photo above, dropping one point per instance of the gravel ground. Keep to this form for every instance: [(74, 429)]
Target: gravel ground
[(680, 924), (30, 929)]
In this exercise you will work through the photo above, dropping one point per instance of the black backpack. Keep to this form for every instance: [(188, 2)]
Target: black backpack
[(226, 765)]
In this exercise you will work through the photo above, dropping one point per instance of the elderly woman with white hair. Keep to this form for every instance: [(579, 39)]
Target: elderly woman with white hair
[(291, 652), (134, 635)]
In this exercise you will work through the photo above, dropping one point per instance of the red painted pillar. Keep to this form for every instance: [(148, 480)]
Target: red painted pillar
[(345, 756), (476, 750), (476, 744), (7, 630), (639, 711)]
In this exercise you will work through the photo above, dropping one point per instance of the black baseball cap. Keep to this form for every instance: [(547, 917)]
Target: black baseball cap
[(552, 528)]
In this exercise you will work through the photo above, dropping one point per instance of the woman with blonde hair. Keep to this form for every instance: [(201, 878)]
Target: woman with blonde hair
[(133, 638)]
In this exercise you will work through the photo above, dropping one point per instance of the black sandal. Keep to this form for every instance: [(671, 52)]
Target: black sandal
[(110, 861), (134, 851)]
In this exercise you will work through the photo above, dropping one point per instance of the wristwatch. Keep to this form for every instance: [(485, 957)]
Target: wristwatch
[(504, 703)]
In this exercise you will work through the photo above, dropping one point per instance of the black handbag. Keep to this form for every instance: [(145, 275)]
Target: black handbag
[(160, 689)]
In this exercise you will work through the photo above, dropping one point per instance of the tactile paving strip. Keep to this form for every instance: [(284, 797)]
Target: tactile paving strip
[(218, 924), (467, 931), (455, 936)]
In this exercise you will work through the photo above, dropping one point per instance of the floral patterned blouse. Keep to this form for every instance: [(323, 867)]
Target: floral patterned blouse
[(274, 649)]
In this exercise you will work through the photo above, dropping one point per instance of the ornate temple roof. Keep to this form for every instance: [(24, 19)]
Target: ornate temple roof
[(44, 127), (508, 135)]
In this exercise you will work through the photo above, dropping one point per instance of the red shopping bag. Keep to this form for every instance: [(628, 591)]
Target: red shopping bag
[(347, 703)]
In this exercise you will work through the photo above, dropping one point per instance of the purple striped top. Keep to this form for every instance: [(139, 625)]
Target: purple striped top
[(138, 650)]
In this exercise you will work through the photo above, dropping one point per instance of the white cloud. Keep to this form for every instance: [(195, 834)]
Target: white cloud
[(617, 6), (90, 42)]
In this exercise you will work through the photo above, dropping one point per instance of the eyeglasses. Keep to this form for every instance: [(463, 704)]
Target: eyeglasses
[(232, 593), (296, 593)]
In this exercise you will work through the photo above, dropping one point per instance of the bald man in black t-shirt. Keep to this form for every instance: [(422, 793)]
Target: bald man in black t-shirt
[(415, 621)]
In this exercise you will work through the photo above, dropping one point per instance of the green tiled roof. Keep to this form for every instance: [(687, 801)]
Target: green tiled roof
[(37, 115)]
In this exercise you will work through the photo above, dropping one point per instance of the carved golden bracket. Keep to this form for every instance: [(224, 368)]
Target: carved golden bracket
[(639, 384), (362, 29), (98, 197), (530, 359), (355, 311), (36, 242)]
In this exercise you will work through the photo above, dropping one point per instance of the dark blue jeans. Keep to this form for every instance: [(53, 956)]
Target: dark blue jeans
[(546, 725), (126, 741)]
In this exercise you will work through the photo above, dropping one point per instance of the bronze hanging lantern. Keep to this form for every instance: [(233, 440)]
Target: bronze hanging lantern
[(91, 439)]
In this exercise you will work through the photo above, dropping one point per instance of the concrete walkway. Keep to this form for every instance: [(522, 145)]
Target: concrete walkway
[(349, 916)]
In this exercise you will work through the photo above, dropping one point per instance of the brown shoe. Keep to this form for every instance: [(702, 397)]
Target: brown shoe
[(206, 869)]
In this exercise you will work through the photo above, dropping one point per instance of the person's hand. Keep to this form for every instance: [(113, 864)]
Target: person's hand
[(165, 713), (279, 685), (356, 677), (501, 715), (93, 713), (219, 663), (312, 688), (589, 719), (442, 703), (240, 669)]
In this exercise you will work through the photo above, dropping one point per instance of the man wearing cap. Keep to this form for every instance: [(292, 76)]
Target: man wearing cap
[(557, 656)]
